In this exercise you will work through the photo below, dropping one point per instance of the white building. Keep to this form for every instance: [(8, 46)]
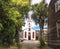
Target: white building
[(29, 32)]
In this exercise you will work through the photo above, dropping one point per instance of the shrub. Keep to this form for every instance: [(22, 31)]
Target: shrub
[(42, 43)]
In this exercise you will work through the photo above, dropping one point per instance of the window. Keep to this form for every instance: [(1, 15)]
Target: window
[(29, 29), (29, 23), (58, 29), (57, 6), (33, 35), (25, 34)]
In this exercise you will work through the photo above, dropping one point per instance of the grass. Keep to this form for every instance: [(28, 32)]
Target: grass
[(46, 47), (12, 47)]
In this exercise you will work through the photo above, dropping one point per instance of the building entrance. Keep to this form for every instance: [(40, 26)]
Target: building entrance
[(29, 36)]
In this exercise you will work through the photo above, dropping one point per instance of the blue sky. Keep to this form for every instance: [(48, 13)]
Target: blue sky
[(36, 27)]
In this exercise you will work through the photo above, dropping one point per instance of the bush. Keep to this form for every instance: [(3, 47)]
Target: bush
[(42, 43)]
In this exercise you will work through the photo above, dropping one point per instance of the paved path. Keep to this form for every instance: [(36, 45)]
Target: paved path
[(30, 44)]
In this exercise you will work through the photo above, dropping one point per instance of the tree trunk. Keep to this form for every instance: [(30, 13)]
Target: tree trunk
[(41, 30), (41, 24)]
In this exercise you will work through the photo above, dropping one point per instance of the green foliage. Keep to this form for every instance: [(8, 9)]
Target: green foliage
[(47, 47), (22, 5), (11, 20), (1, 26), (40, 13), (14, 15), (40, 10), (42, 43)]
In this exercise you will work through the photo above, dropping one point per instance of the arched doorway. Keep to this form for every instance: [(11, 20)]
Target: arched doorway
[(36, 37), (29, 36)]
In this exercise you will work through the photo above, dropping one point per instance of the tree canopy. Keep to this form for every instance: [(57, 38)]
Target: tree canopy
[(40, 13), (11, 16)]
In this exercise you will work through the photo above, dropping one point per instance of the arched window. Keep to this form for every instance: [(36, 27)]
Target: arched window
[(25, 34), (29, 24), (33, 35), (57, 6), (29, 29)]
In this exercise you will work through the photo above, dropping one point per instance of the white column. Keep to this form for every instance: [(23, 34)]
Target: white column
[(34, 35), (31, 35), (23, 35)]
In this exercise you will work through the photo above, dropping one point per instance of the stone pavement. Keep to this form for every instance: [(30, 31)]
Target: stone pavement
[(30, 44)]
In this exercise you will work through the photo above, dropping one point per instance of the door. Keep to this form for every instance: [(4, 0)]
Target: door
[(29, 36)]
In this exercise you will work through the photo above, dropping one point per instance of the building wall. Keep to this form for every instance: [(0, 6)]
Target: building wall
[(53, 18), (27, 34)]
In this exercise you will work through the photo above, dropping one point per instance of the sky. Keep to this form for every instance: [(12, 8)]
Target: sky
[(38, 1)]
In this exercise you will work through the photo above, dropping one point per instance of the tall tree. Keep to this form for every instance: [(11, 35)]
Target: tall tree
[(40, 13)]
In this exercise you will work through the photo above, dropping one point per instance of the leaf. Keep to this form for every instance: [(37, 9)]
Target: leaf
[(1, 26)]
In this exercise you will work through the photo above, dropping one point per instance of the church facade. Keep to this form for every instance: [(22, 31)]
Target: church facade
[(29, 32)]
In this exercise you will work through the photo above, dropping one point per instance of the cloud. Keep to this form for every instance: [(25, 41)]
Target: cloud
[(48, 1), (38, 1), (35, 2)]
